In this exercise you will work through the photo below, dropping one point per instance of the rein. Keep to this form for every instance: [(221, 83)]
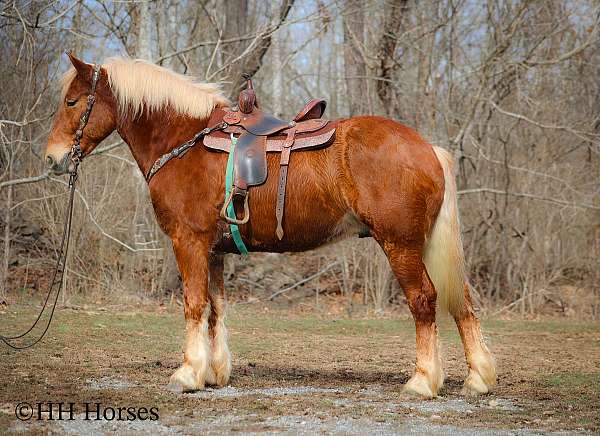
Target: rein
[(61, 263)]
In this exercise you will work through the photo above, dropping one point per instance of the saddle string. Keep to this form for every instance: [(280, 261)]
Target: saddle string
[(76, 156)]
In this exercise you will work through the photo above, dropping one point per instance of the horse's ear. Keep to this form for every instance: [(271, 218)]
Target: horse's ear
[(84, 70)]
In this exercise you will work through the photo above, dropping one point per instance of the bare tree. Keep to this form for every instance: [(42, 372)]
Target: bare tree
[(394, 11), (277, 59), (252, 61), (509, 86), (144, 25), (355, 63)]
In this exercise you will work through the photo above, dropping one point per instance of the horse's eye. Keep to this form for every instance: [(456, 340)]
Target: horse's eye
[(71, 102)]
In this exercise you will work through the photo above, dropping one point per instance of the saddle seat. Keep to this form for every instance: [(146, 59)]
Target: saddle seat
[(257, 133), (260, 123)]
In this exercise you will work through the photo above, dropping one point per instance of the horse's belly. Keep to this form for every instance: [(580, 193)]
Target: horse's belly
[(314, 211)]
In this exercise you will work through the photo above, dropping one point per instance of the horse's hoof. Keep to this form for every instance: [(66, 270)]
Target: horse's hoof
[(410, 395), (178, 388), (175, 387), (210, 379), (470, 392), (418, 387), (183, 380), (475, 385), (221, 381)]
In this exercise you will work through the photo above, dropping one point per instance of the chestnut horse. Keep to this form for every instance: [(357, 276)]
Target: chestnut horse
[(377, 176)]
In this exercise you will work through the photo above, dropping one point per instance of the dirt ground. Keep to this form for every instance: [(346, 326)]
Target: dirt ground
[(295, 373)]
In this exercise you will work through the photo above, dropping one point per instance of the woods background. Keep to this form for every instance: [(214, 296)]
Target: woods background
[(511, 87)]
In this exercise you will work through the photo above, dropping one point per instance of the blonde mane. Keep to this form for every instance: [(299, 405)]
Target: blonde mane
[(138, 84)]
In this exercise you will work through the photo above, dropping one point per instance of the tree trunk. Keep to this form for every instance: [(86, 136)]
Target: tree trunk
[(7, 216), (166, 30), (144, 48), (355, 65), (236, 16), (276, 60), (395, 10), (253, 61), (76, 39)]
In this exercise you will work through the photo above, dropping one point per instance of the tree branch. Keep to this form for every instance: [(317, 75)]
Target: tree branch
[(255, 57), (99, 227), (532, 196), (591, 40), (25, 180)]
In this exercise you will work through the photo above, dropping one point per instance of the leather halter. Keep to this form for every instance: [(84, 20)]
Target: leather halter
[(76, 152)]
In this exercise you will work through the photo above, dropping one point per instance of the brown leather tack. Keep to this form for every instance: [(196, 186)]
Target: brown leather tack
[(232, 117), (222, 142), (258, 132), (283, 169), (314, 109)]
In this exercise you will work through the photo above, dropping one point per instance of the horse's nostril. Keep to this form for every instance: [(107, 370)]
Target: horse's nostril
[(50, 161)]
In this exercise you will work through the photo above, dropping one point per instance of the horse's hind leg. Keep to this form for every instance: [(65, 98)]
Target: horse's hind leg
[(482, 371), (408, 267), (220, 358)]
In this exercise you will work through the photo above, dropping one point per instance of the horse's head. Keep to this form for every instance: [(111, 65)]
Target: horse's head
[(102, 119)]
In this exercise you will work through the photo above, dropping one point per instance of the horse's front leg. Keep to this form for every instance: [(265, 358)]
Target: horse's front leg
[(221, 358), (193, 260)]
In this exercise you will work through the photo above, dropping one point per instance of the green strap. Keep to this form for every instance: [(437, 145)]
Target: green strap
[(235, 230)]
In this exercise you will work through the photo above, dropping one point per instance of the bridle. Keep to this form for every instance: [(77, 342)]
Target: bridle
[(76, 152), (76, 155)]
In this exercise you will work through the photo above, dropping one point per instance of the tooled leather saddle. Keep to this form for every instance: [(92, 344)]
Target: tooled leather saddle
[(256, 133)]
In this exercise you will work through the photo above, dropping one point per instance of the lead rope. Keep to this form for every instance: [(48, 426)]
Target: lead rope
[(61, 261), (59, 270)]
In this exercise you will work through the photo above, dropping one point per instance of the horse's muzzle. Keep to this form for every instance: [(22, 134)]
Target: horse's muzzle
[(61, 166)]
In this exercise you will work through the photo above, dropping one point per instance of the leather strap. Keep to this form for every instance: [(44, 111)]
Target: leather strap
[(181, 150), (234, 229), (76, 152), (283, 170)]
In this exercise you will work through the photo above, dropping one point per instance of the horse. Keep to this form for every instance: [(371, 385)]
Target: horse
[(377, 176)]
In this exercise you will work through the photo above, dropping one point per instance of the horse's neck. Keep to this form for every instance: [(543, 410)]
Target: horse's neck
[(151, 135)]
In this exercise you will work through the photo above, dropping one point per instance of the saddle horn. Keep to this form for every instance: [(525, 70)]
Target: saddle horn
[(247, 99)]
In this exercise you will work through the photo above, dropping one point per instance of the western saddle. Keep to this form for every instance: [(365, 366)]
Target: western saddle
[(255, 134)]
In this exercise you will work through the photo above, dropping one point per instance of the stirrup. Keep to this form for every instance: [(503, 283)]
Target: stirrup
[(234, 220)]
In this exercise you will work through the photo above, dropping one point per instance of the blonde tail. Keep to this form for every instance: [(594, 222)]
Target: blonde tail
[(443, 255)]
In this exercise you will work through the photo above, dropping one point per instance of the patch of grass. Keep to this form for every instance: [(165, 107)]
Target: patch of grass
[(63, 328), (546, 326), (585, 422), (316, 325), (575, 380)]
